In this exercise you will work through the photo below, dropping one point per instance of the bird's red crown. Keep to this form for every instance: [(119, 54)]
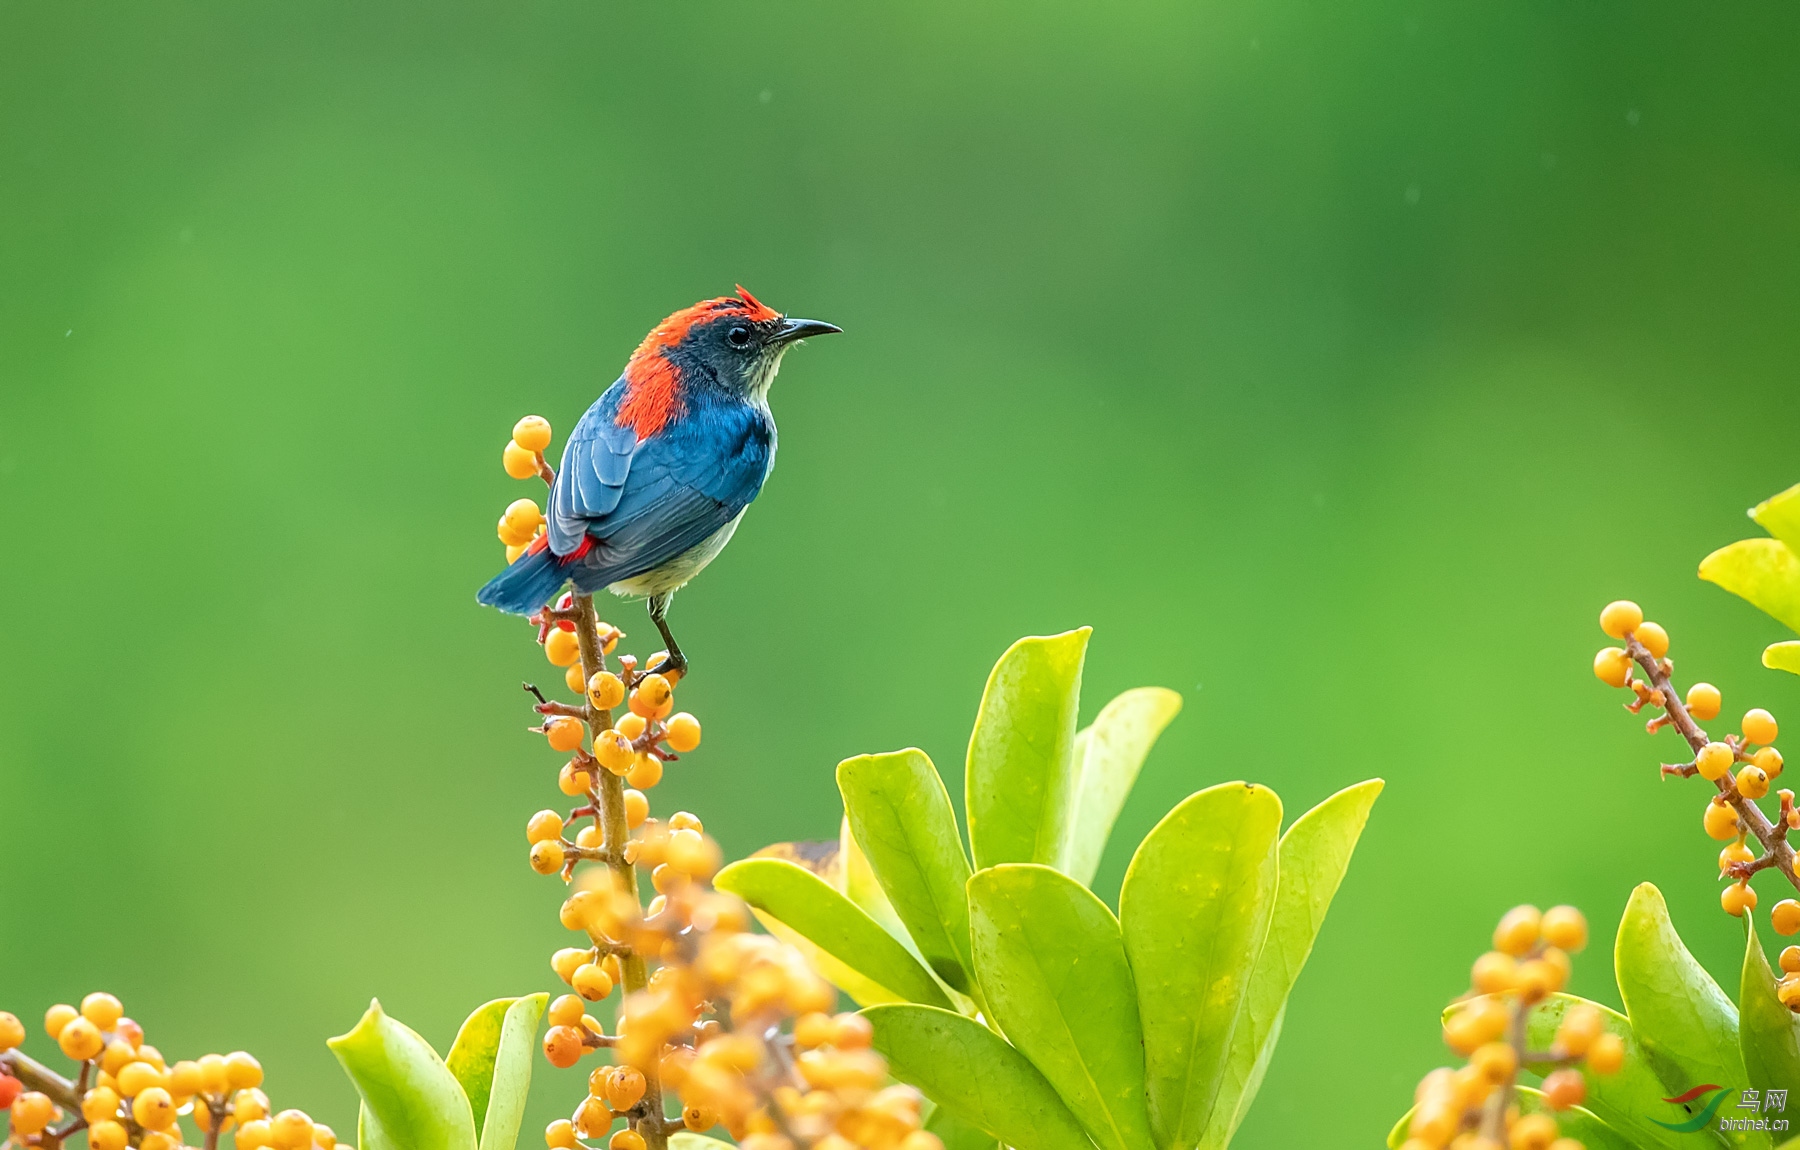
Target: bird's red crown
[(652, 382)]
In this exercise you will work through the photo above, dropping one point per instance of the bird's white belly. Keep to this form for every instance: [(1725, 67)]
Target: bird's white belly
[(677, 571)]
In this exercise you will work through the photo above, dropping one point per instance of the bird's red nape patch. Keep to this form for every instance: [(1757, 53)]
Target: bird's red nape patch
[(652, 383)]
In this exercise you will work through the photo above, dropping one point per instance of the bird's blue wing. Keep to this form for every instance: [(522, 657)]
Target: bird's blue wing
[(646, 502)]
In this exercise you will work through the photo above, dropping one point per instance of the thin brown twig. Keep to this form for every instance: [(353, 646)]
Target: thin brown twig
[(1776, 851)]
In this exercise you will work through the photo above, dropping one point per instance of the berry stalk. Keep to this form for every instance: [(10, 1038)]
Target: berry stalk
[(1777, 852), (609, 795)]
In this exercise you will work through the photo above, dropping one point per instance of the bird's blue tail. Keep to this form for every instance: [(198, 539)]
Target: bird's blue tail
[(528, 583)]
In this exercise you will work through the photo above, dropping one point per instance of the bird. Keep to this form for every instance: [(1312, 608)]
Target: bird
[(657, 475)]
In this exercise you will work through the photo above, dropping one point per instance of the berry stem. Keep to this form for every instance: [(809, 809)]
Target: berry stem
[(611, 792), (1776, 851), (36, 1076)]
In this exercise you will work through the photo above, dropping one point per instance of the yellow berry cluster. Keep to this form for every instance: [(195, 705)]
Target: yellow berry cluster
[(1740, 766), (1475, 1106), (734, 1024), (523, 519), (125, 1094)]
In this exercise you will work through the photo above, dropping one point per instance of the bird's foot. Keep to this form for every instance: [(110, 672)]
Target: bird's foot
[(670, 665)]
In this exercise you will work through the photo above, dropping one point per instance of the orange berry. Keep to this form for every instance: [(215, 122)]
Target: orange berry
[(590, 836), (562, 648), (1654, 639), (1539, 977), (637, 809), (154, 1109), (518, 462), (653, 697), (81, 1040), (291, 1130), (1790, 959), (646, 771), (614, 751), (1579, 1029), (136, 1077), (1564, 1088), (682, 731), (102, 1009), (625, 1087), (547, 857), (1612, 666), (57, 1017), (700, 1119), (573, 781), (1721, 820), (852, 1031), (1518, 930), (567, 1010), (572, 677), (99, 1104), (1735, 853), (817, 1029), (1494, 1061), (631, 726), (1607, 1055), (1704, 701), (658, 662), (1532, 1132), (567, 961), (591, 982), (656, 905), (1784, 916), (1565, 928), (31, 1112), (1759, 726), (324, 1136), (514, 550), (12, 1031), (685, 821), (563, 1046), (563, 732), (1738, 898), (1620, 618), (1753, 782), (1714, 761), (1769, 759), (107, 1134), (626, 1140), (512, 534), (605, 690), (692, 853), (532, 433), (543, 827), (560, 1135)]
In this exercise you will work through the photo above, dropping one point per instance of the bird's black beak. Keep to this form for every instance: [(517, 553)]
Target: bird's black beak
[(792, 330)]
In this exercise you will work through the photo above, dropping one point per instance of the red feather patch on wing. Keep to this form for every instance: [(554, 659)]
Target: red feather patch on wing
[(652, 383)]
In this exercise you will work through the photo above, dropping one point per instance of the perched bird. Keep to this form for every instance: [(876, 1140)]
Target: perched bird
[(657, 474)]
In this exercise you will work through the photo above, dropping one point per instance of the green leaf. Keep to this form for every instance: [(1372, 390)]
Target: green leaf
[(1053, 971), (1107, 758), (956, 1134), (1779, 515), (1764, 571), (411, 1100), (1196, 907), (900, 816), (808, 905), (1685, 1023), (1314, 854), (1629, 1101), (1020, 784), (1782, 657), (1767, 1031), (856, 878), (491, 1059), (970, 1071)]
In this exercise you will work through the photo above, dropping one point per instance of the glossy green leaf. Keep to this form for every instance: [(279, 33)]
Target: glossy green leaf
[(411, 1100), (1779, 515), (1782, 657), (1020, 784), (1107, 758), (1053, 972), (1575, 1122), (368, 1136), (956, 1134), (1195, 908), (1684, 1022), (856, 878), (1630, 1101), (1764, 571), (1768, 1033), (491, 1059), (973, 1073), (900, 816), (1314, 854), (813, 909)]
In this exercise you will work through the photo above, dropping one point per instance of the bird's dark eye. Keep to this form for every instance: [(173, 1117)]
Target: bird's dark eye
[(738, 336)]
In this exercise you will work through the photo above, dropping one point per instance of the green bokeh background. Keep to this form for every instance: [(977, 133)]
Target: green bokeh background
[(1335, 362)]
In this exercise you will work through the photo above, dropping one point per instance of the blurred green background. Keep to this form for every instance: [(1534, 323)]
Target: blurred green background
[(1336, 362)]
